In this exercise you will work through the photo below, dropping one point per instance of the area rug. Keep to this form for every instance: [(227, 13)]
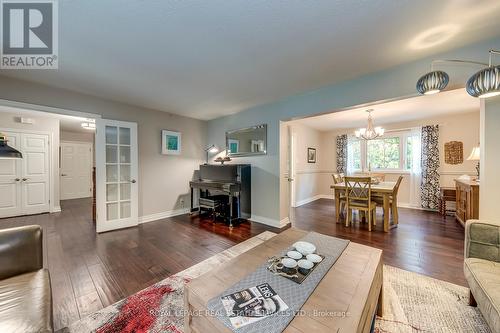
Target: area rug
[(413, 303)]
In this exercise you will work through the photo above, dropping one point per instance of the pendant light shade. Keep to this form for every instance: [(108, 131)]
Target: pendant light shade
[(485, 83), (6, 151), (432, 83)]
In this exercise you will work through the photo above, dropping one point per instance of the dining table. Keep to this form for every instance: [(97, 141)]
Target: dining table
[(386, 190)]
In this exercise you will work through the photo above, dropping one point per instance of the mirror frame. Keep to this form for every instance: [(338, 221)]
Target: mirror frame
[(228, 153)]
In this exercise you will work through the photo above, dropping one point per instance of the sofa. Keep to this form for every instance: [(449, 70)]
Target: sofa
[(25, 291), (482, 268)]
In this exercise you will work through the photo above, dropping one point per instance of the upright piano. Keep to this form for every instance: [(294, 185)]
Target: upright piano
[(231, 182)]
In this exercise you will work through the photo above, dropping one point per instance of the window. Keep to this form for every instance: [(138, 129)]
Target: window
[(394, 151), (384, 153)]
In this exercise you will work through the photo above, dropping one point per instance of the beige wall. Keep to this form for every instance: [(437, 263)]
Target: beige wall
[(163, 180), (314, 181), (9, 120)]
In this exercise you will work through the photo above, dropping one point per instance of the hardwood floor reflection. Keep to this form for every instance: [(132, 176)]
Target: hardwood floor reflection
[(90, 271)]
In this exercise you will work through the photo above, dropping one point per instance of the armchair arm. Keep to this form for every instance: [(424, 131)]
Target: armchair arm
[(20, 250), (482, 240)]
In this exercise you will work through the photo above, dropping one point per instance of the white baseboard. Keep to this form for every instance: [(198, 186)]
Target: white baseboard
[(270, 222), (311, 199), (56, 209), (162, 215)]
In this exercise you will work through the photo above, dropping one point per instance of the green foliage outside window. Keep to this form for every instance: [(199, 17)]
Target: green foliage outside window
[(383, 153)]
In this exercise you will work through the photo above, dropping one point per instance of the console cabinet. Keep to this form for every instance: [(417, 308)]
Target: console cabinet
[(467, 200)]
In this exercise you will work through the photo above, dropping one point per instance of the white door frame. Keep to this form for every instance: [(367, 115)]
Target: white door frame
[(91, 146), (102, 224), (52, 207)]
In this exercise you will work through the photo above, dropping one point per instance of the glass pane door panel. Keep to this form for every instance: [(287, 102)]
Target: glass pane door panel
[(125, 173), (111, 211), (124, 136), (124, 154), (125, 191), (124, 209), (111, 173), (111, 135), (111, 154), (112, 192)]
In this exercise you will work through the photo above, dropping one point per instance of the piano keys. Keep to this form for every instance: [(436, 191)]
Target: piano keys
[(230, 180)]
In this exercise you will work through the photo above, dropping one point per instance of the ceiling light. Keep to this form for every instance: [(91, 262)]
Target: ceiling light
[(486, 82), (432, 83), (370, 132), (88, 125), (436, 81), (6, 151)]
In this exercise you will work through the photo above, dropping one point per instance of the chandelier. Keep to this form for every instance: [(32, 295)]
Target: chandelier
[(370, 132)]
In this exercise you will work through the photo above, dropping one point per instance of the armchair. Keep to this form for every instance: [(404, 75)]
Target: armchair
[(482, 268), (25, 291)]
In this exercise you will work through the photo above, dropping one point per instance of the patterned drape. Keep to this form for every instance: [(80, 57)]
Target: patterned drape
[(342, 153), (430, 165)]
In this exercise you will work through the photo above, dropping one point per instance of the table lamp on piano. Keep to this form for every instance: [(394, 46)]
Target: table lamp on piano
[(213, 149)]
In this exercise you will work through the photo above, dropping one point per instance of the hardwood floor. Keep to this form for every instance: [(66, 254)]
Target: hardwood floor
[(424, 242), (90, 271)]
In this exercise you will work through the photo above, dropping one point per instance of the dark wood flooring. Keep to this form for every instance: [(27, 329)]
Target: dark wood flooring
[(90, 271)]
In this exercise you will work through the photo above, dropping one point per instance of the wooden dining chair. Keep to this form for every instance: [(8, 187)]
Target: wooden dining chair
[(337, 179), (358, 193), (393, 200)]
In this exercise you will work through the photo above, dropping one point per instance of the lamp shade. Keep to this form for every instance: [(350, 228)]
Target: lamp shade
[(432, 83), (485, 83), (6, 151), (474, 155)]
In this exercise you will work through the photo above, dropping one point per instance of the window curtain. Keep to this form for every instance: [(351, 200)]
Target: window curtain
[(342, 153), (350, 155), (415, 138), (430, 165)]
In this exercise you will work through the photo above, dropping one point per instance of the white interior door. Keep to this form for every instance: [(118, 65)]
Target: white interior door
[(76, 170), (35, 186), (10, 180), (116, 174)]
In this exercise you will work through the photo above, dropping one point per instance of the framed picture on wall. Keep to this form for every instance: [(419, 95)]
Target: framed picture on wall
[(234, 146), (170, 142), (311, 155)]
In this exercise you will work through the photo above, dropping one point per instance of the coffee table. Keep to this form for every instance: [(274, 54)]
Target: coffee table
[(346, 300)]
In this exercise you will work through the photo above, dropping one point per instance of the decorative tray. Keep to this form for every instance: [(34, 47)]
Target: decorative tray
[(294, 274)]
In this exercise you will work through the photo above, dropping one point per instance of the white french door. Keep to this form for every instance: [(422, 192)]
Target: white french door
[(116, 174), (25, 183), (76, 170)]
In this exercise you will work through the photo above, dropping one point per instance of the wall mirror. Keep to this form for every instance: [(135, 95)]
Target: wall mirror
[(247, 141)]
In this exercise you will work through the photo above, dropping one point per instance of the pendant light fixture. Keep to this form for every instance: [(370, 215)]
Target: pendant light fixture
[(483, 84), (6, 151), (432, 83), (370, 132), (486, 82)]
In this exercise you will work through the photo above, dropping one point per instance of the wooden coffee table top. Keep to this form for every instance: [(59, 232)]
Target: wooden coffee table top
[(351, 287)]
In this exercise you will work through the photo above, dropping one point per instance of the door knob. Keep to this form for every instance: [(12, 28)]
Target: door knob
[(133, 181), (17, 179), (63, 174), (25, 179)]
